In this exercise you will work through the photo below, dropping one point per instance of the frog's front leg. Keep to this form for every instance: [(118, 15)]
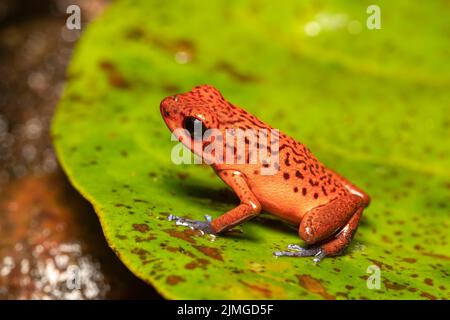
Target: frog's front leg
[(333, 225), (248, 208)]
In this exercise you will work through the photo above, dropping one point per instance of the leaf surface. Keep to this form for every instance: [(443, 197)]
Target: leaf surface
[(371, 104)]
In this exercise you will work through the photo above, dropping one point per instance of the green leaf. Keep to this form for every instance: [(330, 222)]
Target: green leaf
[(372, 105)]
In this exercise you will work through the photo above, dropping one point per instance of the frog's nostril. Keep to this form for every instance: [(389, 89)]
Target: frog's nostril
[(166, 102)]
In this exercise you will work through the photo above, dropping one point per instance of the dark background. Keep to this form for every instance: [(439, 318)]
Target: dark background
[(46, 227)]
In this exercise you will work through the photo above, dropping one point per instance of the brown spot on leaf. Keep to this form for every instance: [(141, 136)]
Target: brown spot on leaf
[(135, 33), (199, 263), (115, 78), (107, 65), (142, 253), (435, 255), (210, 252), (170, 87), (349, 287), (121, 205), (177, 250), (342, 294), (314, 286), (234, 73), (264, 291), (140, 200), (409, 260), (186, 235), (145, 239), (386, 239), (140, 227), (191, 265), (393, 285), (428, 281), (170, 248), (427, 295), (173, 280), (182, 175), (382, 265)]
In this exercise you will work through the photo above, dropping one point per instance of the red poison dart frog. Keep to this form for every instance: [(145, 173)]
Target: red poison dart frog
[(325, 206)]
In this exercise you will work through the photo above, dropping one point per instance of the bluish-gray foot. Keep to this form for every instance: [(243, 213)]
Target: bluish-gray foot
[(297, 251), (204, 227)]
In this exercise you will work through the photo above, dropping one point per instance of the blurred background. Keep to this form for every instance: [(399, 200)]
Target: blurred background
[(387, 88), (50, 238)]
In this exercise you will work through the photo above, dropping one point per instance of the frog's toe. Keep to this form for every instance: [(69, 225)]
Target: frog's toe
[(297, 251), (202, 226), (295, 247), (319, 256)]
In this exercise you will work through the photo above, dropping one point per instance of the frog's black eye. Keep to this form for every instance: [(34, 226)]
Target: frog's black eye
[(191, 124)]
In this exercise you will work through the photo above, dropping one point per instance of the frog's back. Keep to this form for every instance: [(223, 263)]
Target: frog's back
[(298, 183)]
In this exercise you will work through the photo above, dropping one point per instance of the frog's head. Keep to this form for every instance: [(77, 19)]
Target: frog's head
[(202, 117), (195, 111)]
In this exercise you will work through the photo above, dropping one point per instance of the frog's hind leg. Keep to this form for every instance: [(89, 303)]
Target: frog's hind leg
[(353, 188), (337, 245), (332, 225), (324, 221)]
